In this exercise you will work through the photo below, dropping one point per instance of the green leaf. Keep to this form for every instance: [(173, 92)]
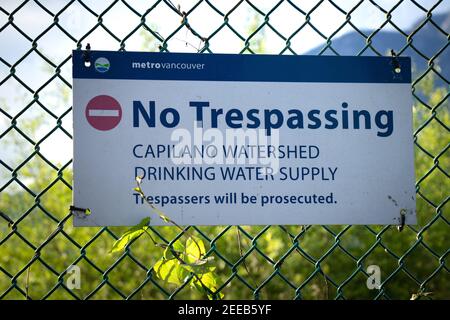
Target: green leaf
[(176, 248), (170, 271), (130, 235), (144, 223), (207, 283), (198, 269), (195, 250)]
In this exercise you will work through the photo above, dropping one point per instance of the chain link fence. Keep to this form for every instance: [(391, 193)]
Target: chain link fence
[(38, 245)]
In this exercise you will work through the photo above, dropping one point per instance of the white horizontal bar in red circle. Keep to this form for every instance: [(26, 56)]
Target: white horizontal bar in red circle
[(103, 113)]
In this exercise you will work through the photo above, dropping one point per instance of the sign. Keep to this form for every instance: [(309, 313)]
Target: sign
[(243, 139), (103, 112)]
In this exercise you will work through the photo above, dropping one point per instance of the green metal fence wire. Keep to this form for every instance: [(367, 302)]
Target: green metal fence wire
[(38, 244)]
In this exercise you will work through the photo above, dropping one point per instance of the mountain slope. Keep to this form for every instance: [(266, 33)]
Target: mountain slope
[(428, 40)]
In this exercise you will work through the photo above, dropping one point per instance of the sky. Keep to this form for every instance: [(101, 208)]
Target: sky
[(76, 20)]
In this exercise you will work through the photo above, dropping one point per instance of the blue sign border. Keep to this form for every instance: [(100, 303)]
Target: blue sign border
[(242, 67)]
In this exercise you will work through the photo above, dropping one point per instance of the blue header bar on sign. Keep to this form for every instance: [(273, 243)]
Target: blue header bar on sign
[(239, 67)]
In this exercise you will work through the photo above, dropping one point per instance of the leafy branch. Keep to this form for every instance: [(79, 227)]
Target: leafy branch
[(183, 262)]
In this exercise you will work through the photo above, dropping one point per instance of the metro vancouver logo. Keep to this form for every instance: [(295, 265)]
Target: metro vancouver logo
[(102, 65)]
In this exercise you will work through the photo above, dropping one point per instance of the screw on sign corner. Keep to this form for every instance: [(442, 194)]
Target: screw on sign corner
[(103, 112)]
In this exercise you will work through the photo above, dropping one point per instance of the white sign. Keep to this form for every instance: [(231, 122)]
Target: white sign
[(242, 139)]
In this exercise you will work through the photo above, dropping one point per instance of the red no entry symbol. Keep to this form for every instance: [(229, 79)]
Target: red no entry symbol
[(103, 112)]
